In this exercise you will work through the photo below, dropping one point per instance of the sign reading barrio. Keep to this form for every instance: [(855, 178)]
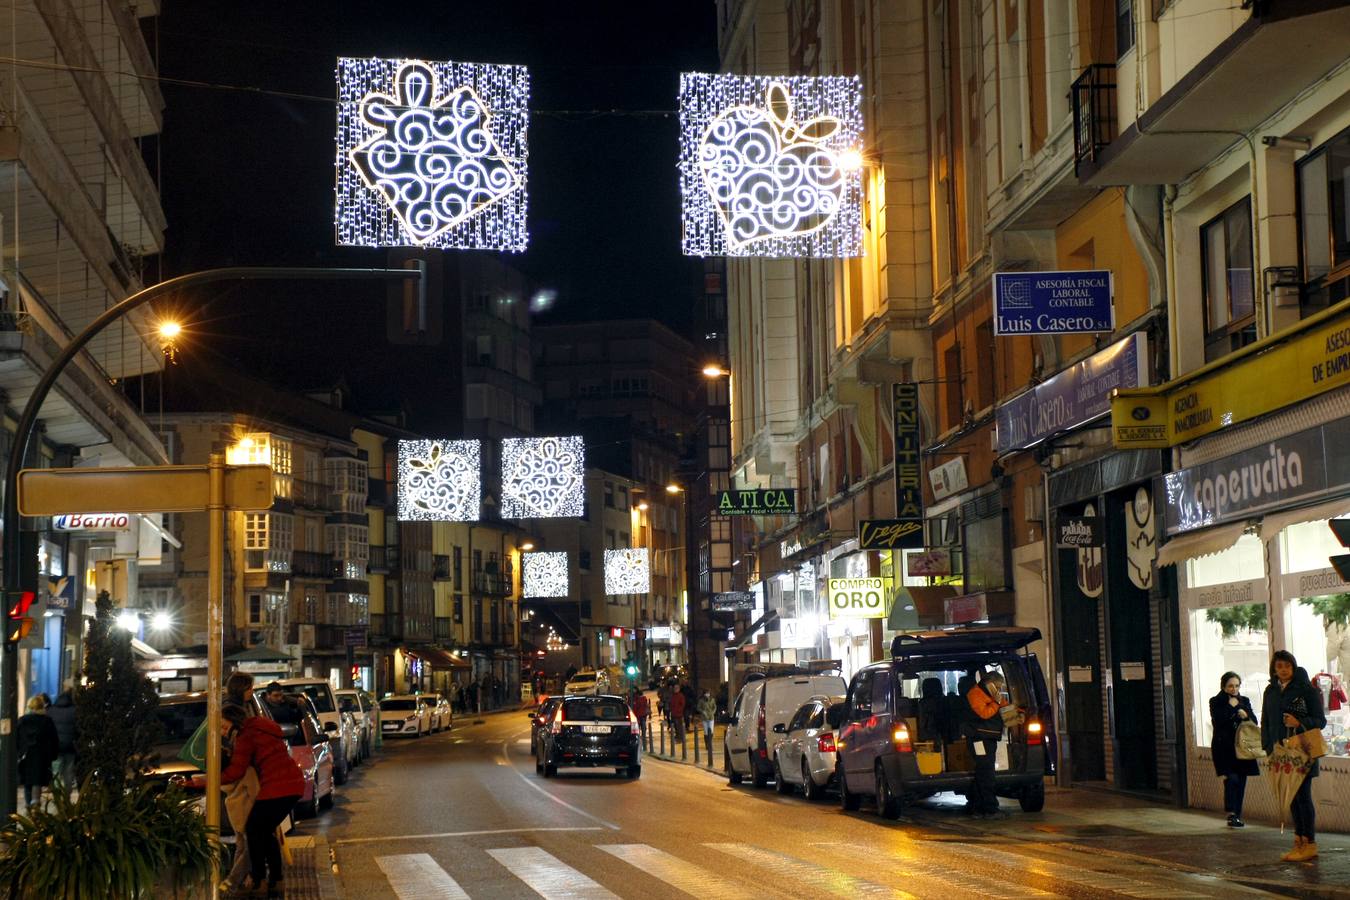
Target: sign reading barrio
[(758, 502), (857, 598), (92, 522)]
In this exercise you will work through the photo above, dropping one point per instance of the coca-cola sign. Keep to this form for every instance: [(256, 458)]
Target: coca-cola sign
[(1076, 532)]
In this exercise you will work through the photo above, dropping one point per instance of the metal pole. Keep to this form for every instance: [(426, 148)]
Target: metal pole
[(23, 432), (215, 642)]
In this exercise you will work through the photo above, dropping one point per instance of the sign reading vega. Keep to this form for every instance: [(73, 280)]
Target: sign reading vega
[(1053, 302)]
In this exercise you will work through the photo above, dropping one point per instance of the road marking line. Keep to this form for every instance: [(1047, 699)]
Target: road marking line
[(415, 876), (455, 834), (558, 800), (675, 871), (548, 876), (807, 874), (972, 885), (522, 740)]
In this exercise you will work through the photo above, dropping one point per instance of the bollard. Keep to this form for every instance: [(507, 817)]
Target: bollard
[(684, 745), (663, 738), (707, 739), (696, 742)]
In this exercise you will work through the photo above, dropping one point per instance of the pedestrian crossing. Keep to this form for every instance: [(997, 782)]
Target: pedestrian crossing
[(740, 871)]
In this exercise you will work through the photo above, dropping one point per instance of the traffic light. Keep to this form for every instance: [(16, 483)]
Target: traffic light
[(20, 624), (1341, 563)]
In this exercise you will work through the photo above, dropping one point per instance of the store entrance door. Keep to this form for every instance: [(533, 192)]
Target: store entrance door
[(1133, 705), (1079, 598)]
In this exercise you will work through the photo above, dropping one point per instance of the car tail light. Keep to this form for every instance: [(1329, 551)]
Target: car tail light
[(825, 743), (633, 722), (1034, 732), (900, 737), (760, 725), (556, 727)]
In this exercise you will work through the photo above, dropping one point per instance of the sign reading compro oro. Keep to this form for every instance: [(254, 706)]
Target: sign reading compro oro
[(857, 598)]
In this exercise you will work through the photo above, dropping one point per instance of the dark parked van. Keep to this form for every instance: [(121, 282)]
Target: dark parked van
[(901, 739)]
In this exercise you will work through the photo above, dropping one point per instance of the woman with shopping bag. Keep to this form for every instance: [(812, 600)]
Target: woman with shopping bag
[(260, 745), (1292, 722), (1228, 709)]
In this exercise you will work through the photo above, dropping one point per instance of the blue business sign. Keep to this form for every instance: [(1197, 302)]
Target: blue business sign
[(1053, 302), (1073, 397)]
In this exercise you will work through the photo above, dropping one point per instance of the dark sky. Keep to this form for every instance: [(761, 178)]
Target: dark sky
[(247, 176)]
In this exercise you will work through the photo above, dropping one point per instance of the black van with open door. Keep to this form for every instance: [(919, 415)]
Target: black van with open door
[(901, 738)]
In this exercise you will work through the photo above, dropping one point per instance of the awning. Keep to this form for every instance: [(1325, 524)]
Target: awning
[(1273, 523), (1200, 543), (259, 654), (745, 636), (436, 658)]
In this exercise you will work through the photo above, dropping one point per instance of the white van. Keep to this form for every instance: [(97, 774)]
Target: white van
[(759, 720)]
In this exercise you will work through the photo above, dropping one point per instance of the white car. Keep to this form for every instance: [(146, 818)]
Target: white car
[(366, 714), (752, 738), (442, 716), (340, 727), (405, 715), (806, 756), (587, 683)]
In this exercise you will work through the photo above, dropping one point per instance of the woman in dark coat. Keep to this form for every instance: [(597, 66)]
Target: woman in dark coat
[(38, 746), (1290, 705), (1227, 710)]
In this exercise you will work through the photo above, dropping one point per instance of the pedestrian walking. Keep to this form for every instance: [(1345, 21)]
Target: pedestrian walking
[(62, 715), (260, 744), (676, 714), (38, 746), (663, 699), (454, 695), (707, 711), (642, 708), (1227, 710), (690, 702), (239, 796), (1289, 706), (984, 729)]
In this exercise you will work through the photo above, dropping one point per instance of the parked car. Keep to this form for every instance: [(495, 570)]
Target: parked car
[(763, 705), (358, 703), (340, 727), (179, 716), (591, 731), (806, 757), (901, 738), (442, 716), (403, 715), (310, 746), (540, 718)]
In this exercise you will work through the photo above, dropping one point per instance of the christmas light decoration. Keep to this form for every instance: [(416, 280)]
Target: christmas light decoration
[(431, 154), (627, 571), (769, 166), (543, 575), (543, 478), (439, 481)]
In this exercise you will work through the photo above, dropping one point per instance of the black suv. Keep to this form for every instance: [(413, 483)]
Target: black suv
[(591, 732), (901, 738)]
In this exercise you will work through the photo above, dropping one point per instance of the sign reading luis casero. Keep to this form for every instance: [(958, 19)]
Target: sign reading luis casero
[(1077, 302), (1310, 359), (857, 598), (757, 502)]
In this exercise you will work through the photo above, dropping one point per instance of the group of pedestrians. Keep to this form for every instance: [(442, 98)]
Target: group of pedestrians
[(1291, 705), (482, 694), (677, 704), (45, 742)]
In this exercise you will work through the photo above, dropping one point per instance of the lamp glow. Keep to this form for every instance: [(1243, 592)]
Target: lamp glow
[(762, 165), (543, 477), (527, 546), (169, 329), (543, 575), (431, 154), (627, 571), (851, 160), (439, 481), (161, 621), (128, 621), (673, 489), (714, 371)]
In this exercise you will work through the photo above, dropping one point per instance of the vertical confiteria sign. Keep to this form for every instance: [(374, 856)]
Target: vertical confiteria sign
[(908, 470)]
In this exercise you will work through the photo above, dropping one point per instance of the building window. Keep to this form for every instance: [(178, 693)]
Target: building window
[(609, 495), (1124, 27), (623, 497), (1226, 255), (1324, 224), (459, 568)]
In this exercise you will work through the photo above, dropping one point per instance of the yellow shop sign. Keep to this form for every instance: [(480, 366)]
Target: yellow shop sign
[(1281, 370)]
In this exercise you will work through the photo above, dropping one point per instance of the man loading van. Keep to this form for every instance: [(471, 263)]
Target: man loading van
[(984, 729)]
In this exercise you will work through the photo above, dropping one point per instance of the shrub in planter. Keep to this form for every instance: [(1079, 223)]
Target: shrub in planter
[(109, 843)]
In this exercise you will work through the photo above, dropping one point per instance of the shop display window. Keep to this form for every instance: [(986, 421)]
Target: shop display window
[(1228, 639), (1319, 629)]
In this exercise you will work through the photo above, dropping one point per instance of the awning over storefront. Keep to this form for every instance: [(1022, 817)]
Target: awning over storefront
[(436, 658), (1200, 543), (1274, 523), (746, 636)]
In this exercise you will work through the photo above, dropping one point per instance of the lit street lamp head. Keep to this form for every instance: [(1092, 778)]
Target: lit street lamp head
[(673, 489), (169, 329), (712, 370)]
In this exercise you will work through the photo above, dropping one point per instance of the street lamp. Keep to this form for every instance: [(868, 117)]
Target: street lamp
[(527, 546), (674, 489), (128, 621), (161, 621), (712, 370), (169, 329)]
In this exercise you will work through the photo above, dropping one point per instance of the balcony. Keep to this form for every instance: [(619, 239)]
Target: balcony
[(377, 493), (1262, 65), (386, 628), (308, 564), (378, 564), (444, 629), (440, 567), (309, 494), (1094, 114), (491, 584)]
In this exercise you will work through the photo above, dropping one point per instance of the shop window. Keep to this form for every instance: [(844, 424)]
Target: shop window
[(984, 569), (1318, 627), (1228, 639), (1226, 253), (1324, 224), (1244, 561)]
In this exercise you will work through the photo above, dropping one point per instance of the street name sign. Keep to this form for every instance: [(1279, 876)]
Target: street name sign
[(143, 489), (733, 601)]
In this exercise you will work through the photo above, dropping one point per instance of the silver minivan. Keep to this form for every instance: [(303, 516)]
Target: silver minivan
[(759, 720)]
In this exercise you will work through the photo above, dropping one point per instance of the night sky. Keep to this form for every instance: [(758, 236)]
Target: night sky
[(247, 175)]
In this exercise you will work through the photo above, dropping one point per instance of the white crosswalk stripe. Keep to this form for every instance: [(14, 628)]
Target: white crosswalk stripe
[(809, 875), (673, 870), (415, 876), (1120, 884), (548, 876)]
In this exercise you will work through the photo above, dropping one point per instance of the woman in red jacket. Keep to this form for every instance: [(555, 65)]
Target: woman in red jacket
[(258, 742)]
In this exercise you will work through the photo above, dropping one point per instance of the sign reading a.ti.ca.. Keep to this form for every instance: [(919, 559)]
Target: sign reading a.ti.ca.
[(757, 502)]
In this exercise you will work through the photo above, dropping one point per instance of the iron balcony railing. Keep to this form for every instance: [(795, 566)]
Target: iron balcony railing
[(1094, 113)]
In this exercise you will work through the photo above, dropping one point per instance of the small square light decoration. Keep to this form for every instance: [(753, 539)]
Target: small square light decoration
[(771, 166), (431, 154), (627, 571), (543, 478), (439, 481), (543, 575)]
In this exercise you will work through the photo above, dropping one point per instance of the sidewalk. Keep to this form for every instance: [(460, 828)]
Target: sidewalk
[(673, 752), (310, 874)]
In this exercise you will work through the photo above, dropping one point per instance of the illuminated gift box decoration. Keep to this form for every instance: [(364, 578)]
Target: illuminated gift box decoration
[(543, 575), (439, 481), (771, 166), (627, 571), (431, 154), (543, 478)]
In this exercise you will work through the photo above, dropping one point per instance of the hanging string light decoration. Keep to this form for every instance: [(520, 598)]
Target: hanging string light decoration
[(431, 154), (543, 575), (439, 481), (771, 166), (627, 571), (543, 478)]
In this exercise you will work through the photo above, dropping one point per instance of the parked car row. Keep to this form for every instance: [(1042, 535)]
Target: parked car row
[(896, 732), (415, 715)]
